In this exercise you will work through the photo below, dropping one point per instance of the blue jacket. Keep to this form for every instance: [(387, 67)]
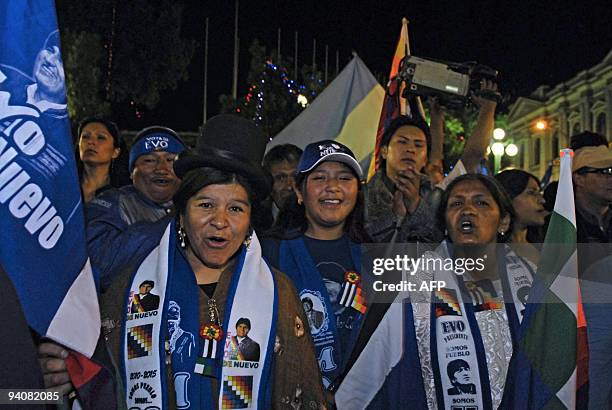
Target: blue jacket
[(121, 230)]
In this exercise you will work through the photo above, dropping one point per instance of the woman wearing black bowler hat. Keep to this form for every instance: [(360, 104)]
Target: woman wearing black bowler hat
[(206, 261)]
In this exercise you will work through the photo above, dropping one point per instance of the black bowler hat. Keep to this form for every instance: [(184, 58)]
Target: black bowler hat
[(233, 144)]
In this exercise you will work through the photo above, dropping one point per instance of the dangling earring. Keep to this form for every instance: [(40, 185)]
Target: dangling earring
[(502, 234), (247, 241), (445, 232), (181, 237)]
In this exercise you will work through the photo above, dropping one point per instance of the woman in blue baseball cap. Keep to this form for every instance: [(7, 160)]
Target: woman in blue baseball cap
[(315, 242)]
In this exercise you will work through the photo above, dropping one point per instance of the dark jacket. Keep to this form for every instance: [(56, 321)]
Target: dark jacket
[(20, 368), (248, 347), (382, 223), (115, 221), (148, 303)]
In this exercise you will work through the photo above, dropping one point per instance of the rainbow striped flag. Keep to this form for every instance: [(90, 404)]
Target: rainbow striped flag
[(393, 105)]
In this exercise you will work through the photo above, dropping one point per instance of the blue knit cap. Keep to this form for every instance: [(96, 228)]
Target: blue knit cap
[(153, 139)]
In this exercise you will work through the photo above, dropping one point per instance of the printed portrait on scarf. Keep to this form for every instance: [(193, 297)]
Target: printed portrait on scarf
[(144, 300), (242, 347), (460, 376)]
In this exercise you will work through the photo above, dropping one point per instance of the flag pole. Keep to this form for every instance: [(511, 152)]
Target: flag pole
[(295, 57), (236, 56), (337, 62), (204, 108), (326, 61), (314, 55), (278, 47)]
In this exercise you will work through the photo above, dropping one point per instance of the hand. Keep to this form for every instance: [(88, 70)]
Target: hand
[(435, 171), (51, 357), (407, 195), (486, 86), (435, 109)]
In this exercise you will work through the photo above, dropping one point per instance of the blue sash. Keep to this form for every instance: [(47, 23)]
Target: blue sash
[(297, 263), (176, 328)]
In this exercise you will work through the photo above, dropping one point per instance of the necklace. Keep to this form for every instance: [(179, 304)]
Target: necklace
[(211, 333)]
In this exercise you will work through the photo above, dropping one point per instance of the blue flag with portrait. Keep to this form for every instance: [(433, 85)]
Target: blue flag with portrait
[(43, 246)]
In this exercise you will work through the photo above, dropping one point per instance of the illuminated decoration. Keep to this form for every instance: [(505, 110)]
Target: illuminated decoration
[(499, 134), (541, 125), (497, 149), (256, 94), (511, 150), (137, 111)]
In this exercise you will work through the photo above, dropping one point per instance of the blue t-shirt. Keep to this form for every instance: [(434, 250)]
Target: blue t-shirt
[(333, 260)]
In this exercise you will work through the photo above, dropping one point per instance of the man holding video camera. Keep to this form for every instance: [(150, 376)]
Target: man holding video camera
[(400, 198)]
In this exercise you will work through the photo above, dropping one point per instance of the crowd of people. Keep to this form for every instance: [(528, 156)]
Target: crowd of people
[(229, 278)]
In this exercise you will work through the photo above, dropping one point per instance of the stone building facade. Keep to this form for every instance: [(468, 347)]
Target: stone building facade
[(583, 103)]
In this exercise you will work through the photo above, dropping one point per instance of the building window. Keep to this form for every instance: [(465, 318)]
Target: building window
[(536, 151), (522, 155), (554, 143), (576, 128), (600, 124)]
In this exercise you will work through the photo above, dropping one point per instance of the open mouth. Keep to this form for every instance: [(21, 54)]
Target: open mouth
[(161, 181), (216, 241), (466, 226)]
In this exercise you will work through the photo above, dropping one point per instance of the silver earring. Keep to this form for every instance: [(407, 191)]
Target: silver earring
[(181, 237)]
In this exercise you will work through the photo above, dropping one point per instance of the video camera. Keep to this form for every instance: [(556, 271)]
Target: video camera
[(451, 83)]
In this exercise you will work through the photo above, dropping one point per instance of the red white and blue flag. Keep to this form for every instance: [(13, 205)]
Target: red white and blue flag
[(43, 246)]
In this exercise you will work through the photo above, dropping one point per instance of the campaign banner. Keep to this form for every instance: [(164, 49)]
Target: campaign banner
[(43, 245)]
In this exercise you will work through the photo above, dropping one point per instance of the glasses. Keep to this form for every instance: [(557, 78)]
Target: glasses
[(602, 171)]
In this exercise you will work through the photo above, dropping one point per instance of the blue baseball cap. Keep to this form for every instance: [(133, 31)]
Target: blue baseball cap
[(153, 139), (327, 150)]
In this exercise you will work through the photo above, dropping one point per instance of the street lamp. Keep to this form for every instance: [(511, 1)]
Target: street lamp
[(302, 100), (499, 148), (541, 125), (499, 134), (511, 150), (498, 151)]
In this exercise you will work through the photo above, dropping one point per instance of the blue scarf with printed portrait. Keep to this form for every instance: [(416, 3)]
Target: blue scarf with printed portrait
[(298, 264)]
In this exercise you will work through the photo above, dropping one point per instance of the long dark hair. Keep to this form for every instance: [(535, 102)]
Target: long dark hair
[(515, 182), (118, 169), (292, 222), (495, 189)]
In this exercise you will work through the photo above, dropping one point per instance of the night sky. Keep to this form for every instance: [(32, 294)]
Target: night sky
[(530, 43)]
